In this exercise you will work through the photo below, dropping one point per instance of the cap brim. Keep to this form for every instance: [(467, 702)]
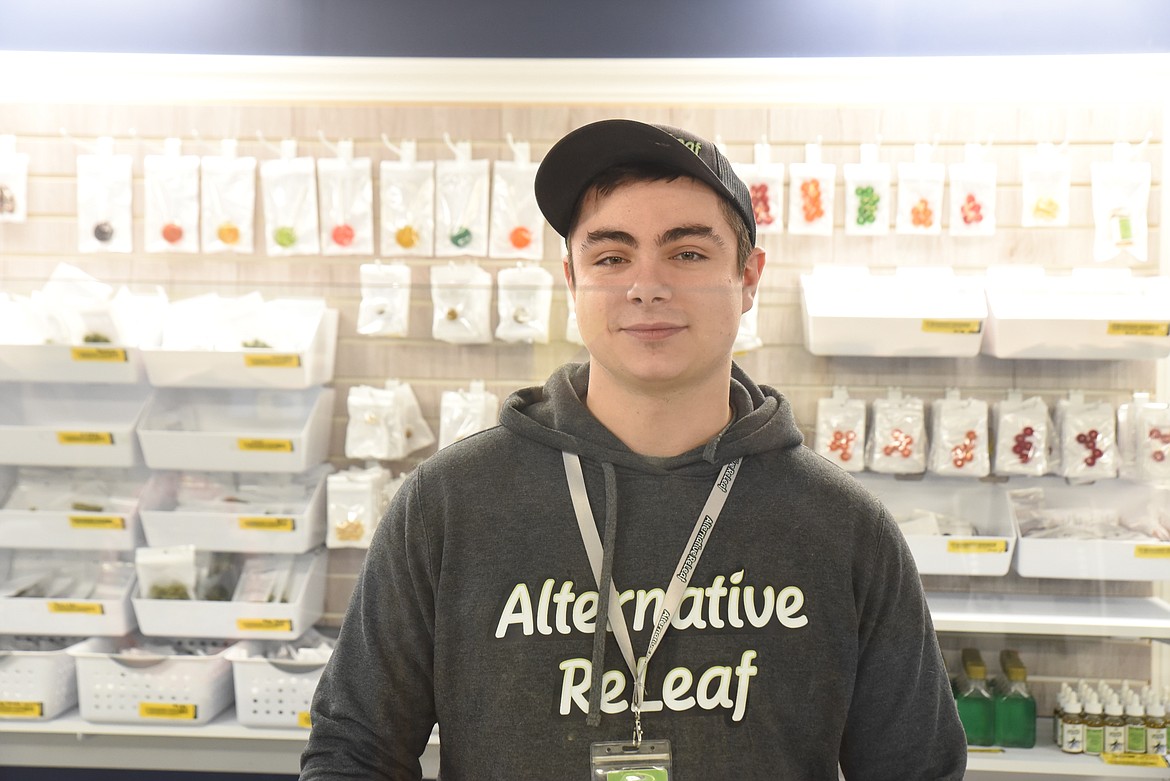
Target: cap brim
[(576, 159)]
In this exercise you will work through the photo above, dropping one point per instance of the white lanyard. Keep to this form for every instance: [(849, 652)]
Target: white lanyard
[(678, 583)]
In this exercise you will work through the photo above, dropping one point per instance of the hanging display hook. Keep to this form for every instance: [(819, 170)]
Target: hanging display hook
[(267, 144)]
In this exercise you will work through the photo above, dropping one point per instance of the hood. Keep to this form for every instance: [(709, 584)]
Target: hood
[(554, 414)]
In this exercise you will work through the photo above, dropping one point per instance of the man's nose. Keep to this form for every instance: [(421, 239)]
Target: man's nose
[(648, 284)]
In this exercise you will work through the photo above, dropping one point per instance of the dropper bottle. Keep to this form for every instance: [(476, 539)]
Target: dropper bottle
[(1094, 726), (1135, 726), (1114, 726), (1072, 727), (1155, 728)]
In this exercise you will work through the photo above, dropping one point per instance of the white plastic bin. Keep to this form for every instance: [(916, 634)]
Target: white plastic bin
[(272, 692), (39, 685), (73, 617), (88, 363)]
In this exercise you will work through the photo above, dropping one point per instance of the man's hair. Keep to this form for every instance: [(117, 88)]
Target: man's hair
[(618, 176)]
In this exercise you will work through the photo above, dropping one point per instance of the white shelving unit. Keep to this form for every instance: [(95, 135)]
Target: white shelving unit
[(1043, 614)]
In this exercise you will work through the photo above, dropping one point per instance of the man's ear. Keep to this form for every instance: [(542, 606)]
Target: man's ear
[(567, 267), (751, 277)]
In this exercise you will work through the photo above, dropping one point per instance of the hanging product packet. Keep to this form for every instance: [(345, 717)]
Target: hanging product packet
[(747, 338), (1022, 433), (958, 437), (897, 440), (1121, 198), (973, 194), (229, 201), (517, 226), (13, 181), (356, 501), (465, 412), (290, 203), (374, 427), (167, 573), (1088, 439), (407, 189), (1143, 441), (385, 306), (841, 430), (867, 195), (104, 193), (171, 213), (810, 202), (1045, 186), (416, 432), (920, 194), (461, 208), (765, 182), (461, 295), (524, 304), (345, 188)]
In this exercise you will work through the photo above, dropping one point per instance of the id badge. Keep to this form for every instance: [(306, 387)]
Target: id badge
[(620, 760)]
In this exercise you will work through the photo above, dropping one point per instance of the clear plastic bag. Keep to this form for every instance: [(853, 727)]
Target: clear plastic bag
[(104, 193), (813, 188), (385, 306), (462, 298), (1046, 187), (171, 212), (973, 195), (524, 304), (840, 433), (407, 205), (1022, 434), (920, 194), (765, 182), (1088, 439), (897, 442), (345, 187), (517, 226), (1121, 201), (229, 202), (958, 441), (290, 204), (462, 206), (867, 195), (13, 181), (463, 413)]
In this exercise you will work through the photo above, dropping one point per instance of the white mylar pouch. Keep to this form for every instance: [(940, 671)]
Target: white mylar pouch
[(747, 338), (1121, 197), (1045, 187), (408, 208), (973, 195), (765, 183), (229, 204), (465, 412), (897, 440), (840, 433), (1088, 439), (13, 181), (345, 188), (958, 442), (461, 208), (355, 504), (385, 306), (812, 190), (416, 432), (171, 212), (867, 195), (290, 206), (1022, 432), (920, 194), (1152, 440), (104, 192), (461, 295), (374, 428), (517, 226), (524, 304)]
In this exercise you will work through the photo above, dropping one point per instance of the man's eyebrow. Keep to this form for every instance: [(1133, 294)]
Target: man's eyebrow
[(598, 236), (690, 232)]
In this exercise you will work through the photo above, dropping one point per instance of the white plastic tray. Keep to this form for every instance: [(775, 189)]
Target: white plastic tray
[(70, 425), (981, 504), (241, 430), (242, 620), (38, 685), (89, 363), (272, 693), (67, 617), (911, 313)]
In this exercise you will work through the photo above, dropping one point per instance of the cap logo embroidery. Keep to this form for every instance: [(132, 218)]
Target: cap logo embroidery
[(694, 146)]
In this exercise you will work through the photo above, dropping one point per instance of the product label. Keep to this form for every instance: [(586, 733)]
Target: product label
[(984, 750), (952, 326), (272, 361), (265, 523), (266, 445), (1151, 551), (99, 354), (1138, 329), (97, 521), (976, 546), (1094, 740), (166, 710), (303, 720), (1073, 739), (1135, 739), (1156, 740), (1114, 740), (84, 438), (264, 624), (21, 710), (1136, 760), (85, 608)]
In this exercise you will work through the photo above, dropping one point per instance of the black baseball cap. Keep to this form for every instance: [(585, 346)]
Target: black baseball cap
[(574, 161)]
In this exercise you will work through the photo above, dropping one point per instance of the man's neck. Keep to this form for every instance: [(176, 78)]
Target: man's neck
[(657, 425)]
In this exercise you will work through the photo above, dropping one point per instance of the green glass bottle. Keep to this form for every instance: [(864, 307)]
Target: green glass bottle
[(1015, 707), (975, 703)]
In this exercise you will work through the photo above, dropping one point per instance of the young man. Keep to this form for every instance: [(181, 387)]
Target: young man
[(765, 618)]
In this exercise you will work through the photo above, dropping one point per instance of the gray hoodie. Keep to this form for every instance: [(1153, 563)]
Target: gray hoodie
[(803, 641)]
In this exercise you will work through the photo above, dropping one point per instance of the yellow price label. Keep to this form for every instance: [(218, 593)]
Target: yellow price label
[(976, 546), (1135, 760), (1137, 329), (272, 361), (982, 750), (84, 608), (264, 624), (952, 326), (21, 710), (303, 720), (97, 521), (85, 438), (99, 354), (167, 710), (265, 523), (1151, 551), (266, 445)]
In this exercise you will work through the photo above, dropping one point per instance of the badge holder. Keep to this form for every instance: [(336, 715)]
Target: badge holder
[(621, 760)]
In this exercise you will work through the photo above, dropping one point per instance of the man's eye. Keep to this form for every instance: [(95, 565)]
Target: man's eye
[(690, 255), (610, 260)]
